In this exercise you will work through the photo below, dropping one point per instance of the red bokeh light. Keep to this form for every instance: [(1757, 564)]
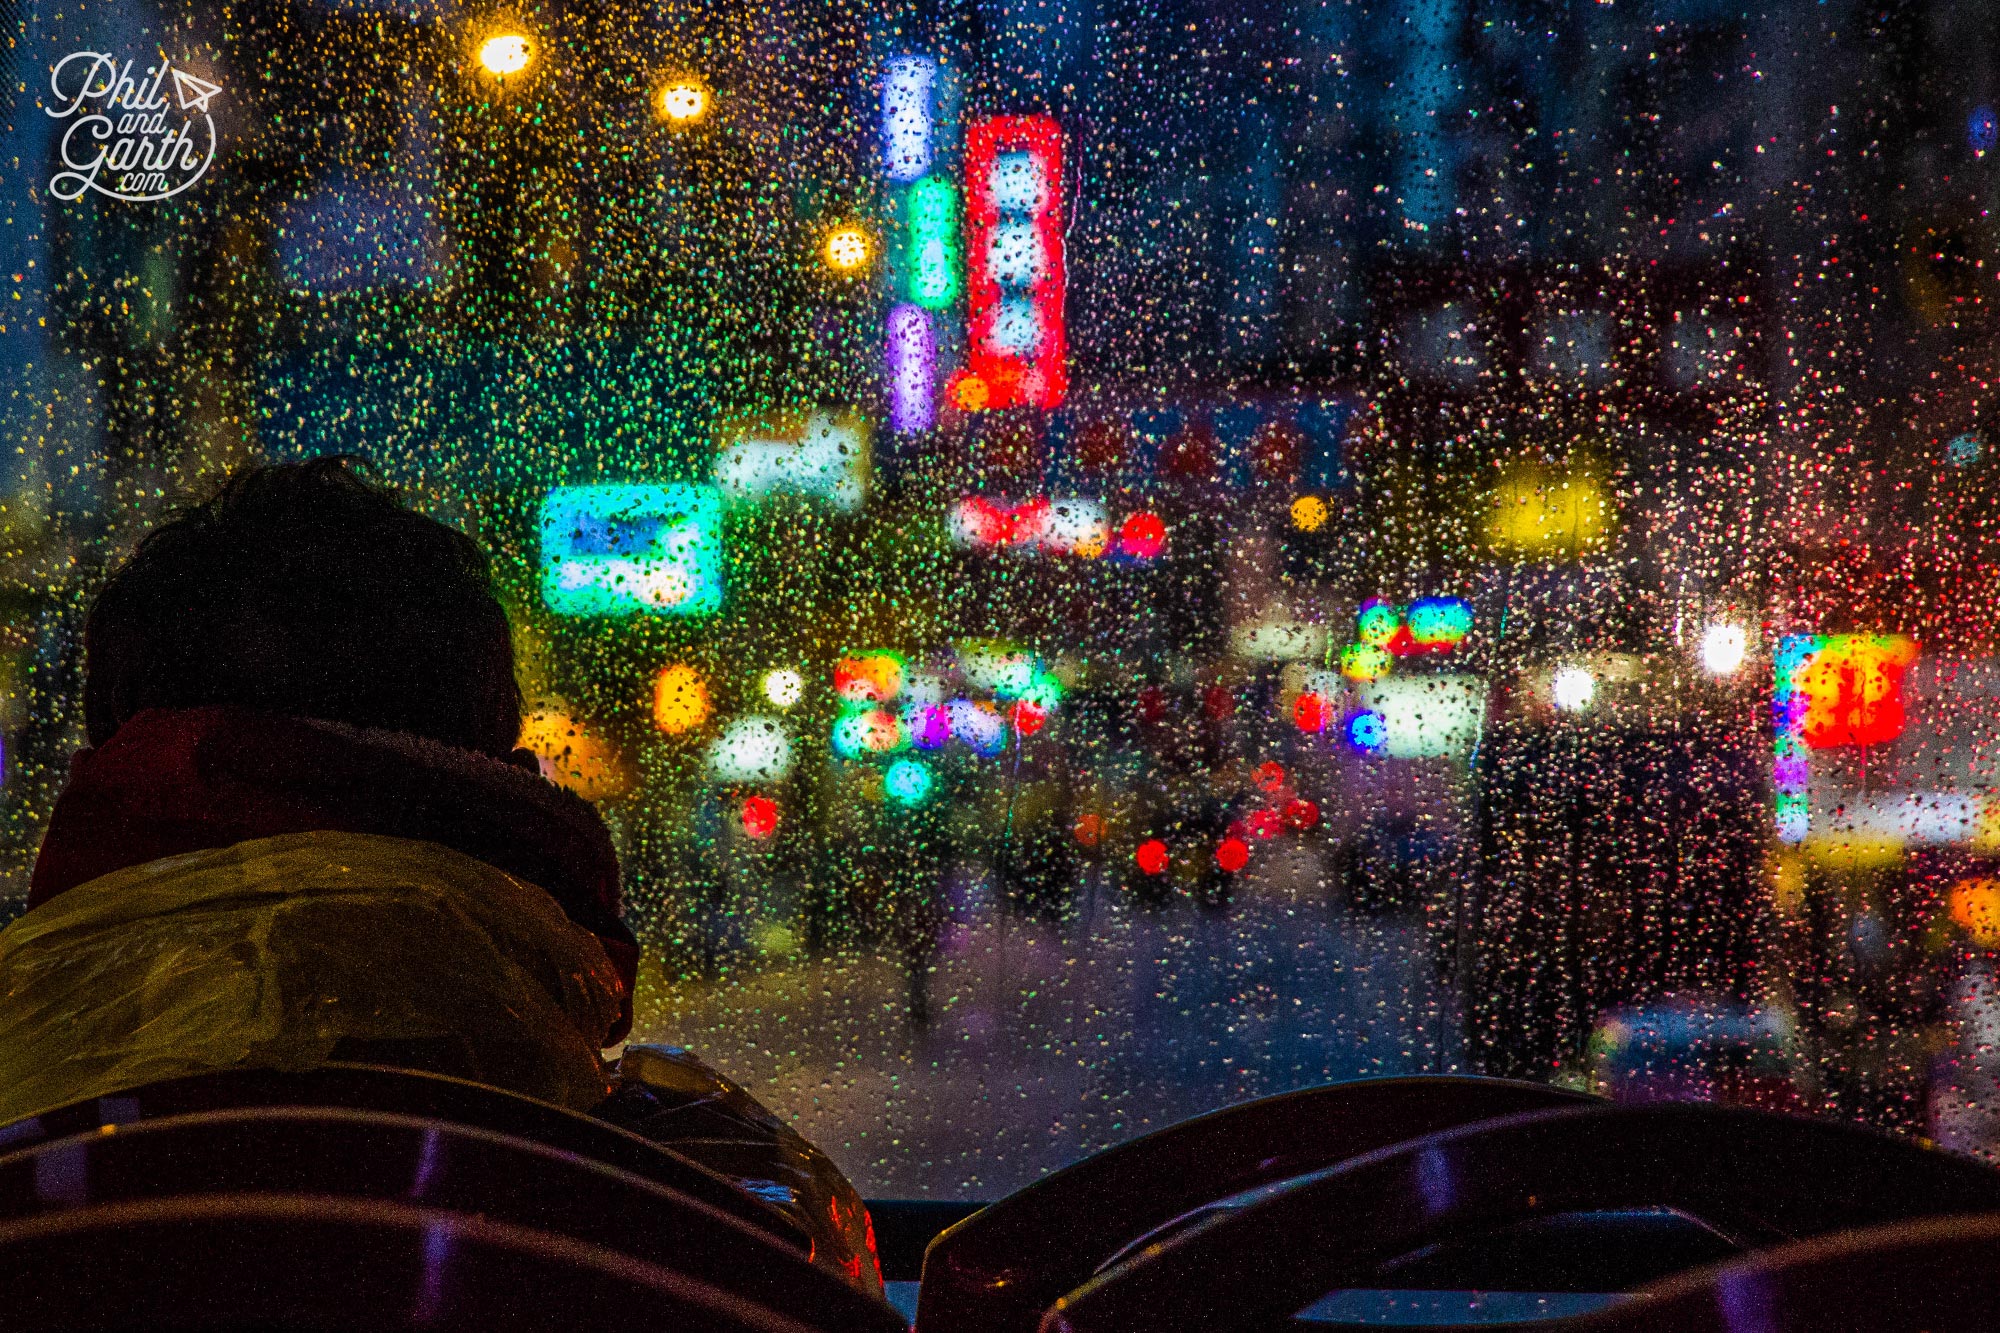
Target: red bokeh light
[(1232, 854), (1152, 704), (1270, 775), (1028, 718), (1142, 536), (1300, 815), (984, 523), (1089, 829), (1309, 713), (1151, 856), (1219, 701), (1263, 823), (760, 817)]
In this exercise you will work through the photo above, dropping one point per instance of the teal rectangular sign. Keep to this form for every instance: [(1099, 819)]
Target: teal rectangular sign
[(631, 550)]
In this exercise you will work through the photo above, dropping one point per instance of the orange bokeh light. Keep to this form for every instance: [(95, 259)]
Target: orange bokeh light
[(1975, 905)]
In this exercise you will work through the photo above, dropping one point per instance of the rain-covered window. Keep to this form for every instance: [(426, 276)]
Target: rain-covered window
[(1105, 559)]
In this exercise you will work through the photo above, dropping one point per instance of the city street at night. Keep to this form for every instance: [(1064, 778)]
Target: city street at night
[(1057, 1040)]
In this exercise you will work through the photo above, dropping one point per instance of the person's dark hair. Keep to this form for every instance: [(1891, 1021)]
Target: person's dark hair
[(306, 589)]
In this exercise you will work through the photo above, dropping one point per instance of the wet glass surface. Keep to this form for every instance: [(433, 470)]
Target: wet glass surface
[(1102, 560)]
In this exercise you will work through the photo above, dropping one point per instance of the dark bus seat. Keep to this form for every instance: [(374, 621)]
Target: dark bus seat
[(459, 1169), (277, 1263), (1934, 1275), (997, 1271), (424, 1095), (1758, 1179)]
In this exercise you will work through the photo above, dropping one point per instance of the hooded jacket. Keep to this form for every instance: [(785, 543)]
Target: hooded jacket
[(221, 888)]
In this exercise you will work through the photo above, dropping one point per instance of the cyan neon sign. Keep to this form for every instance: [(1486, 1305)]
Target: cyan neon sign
[(630, 550)]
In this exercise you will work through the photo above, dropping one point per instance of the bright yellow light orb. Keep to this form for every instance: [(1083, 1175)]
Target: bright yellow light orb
[(846, 249), (682, 101), (506, 53), (1308, 513), (680, 699)]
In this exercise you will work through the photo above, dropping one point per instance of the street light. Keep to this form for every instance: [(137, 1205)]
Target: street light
[(847, 249), (1572, 688), (506, 53), (682, 101), (1723, 646)]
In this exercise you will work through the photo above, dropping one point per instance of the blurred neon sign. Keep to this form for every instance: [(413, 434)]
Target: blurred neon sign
[(625, 550), (1830, 691), (930, 212), (1540, 511), (1055, 526), (911, 356), (1853, 687), (924, 254), (1018, 346), (825, 457), (1420, 717), (680, 699), (1438, 624), (907, 125), (1278, 640)]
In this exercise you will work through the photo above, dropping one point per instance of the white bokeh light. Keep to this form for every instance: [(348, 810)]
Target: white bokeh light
[(751, 749), (784, 686), (1572, 688), (1722, 648)]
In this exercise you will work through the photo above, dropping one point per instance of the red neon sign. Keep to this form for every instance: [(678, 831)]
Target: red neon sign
[(1018, 353)]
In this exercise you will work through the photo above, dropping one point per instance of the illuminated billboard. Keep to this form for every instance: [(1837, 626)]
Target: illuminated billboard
[(631, 550)]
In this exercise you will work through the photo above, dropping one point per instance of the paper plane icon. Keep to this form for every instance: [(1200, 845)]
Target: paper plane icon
[(194, 92)]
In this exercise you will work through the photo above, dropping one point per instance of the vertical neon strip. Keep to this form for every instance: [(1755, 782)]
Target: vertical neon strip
[(1018, 346), (912, 363), (1791, 772), (907, 84), (931, 213)]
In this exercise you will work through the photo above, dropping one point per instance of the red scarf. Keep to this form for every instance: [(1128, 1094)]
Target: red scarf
[(171, 782)]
